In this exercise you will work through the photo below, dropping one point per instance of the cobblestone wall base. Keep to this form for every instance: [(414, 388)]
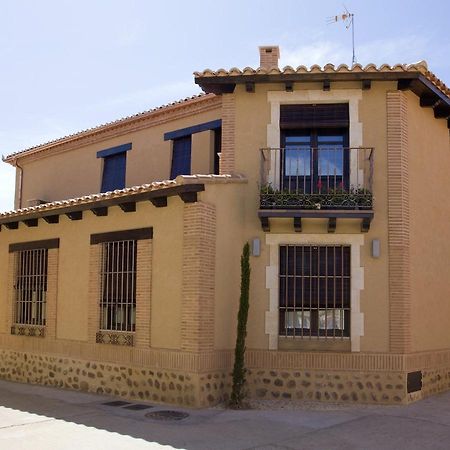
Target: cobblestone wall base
[(134, 383), (208, 388), (330, 386)]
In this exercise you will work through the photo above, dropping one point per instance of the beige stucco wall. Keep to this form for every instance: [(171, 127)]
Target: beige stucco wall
[(234, 207), (78, 172), (252, 118), (429, 162), (237, 222), (230, 204), (73, 271)]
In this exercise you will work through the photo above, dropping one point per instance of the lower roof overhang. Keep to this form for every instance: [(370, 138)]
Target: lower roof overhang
[(365, 216), (99, 207)]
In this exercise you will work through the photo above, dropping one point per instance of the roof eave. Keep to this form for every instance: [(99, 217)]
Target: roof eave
[(170, 191), (415, 81), (185, 103), (183, 186)]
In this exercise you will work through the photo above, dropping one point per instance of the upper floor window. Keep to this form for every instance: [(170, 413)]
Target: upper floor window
[(207, 154), (314, 139), (217, 149), (114, 167), (181, 157), (315, 160)]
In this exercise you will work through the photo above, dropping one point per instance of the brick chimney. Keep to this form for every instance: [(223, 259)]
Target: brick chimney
[(269, 56)]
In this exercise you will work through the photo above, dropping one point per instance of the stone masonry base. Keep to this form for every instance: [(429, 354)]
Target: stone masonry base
[(134, 383), (207, 388), (334, 386)]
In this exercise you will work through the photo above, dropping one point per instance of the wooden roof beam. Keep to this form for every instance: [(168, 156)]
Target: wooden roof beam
[(100, 212), (31, 222), (51, 219), (428, 100), (75, 215), (250, 87), (441, 111), (12, 225), (128, 206), (159, 202), (366, 84)]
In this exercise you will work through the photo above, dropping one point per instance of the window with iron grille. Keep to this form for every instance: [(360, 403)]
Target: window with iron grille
[(314, 291), (118, 286), (30, 286)]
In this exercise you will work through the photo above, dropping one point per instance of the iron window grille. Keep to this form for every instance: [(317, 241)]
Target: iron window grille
[(314, 291), (118, 286), (31, 287)]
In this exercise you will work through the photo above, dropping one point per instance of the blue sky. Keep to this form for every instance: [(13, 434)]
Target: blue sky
[(69, 65)]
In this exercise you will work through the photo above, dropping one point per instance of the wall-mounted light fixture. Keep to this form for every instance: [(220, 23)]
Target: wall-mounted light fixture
[(256, 247), (376, 248)]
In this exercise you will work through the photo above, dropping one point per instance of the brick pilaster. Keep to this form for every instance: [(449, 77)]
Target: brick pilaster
[(94, 291), (398, 223), (143, 292), (9, 317), (199, 244), (227, 157), (52, 293)]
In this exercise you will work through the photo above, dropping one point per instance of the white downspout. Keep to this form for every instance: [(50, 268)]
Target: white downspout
[(19, 194)]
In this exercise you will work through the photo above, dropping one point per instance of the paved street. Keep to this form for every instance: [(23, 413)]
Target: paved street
[(38, 418)]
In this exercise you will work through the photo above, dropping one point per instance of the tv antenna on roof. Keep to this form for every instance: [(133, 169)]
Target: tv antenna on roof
[(349, 20)]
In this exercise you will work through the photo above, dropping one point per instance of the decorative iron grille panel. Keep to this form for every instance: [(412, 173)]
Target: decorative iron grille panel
[(31, 287), (118, 286), (314, 291)]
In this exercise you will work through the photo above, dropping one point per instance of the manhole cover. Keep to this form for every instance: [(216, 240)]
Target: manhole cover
[(138, 407), (116, 403), (167, 415)]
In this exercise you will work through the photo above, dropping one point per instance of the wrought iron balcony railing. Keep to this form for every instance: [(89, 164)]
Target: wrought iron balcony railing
[(326, 177)]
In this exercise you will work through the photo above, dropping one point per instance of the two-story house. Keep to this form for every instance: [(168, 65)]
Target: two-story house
[(120, 263)]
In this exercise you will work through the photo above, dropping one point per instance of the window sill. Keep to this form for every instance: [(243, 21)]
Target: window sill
[(28, 330), (125, 338), (314, 344)]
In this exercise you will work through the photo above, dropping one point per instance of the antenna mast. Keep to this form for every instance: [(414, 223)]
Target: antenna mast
[(349, 19)]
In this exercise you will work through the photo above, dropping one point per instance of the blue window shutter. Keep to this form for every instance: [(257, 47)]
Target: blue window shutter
[(114, 172), (181, 157)]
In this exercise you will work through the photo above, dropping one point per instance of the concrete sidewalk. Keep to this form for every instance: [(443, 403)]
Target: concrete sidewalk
[(39, 418)]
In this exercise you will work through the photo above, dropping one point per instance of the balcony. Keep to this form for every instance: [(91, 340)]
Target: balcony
[(329, 182)]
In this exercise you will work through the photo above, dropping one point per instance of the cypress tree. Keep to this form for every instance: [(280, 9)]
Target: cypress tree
[(237, 393)]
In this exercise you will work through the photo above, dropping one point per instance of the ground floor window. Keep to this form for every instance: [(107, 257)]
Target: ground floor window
[(314, 291), (30, 286), (118, 286)]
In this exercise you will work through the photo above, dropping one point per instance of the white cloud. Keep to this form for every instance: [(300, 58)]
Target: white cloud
[(46, 129), (42, 132), (391, 51), (129, 34), (155, 96), (319, 52)]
